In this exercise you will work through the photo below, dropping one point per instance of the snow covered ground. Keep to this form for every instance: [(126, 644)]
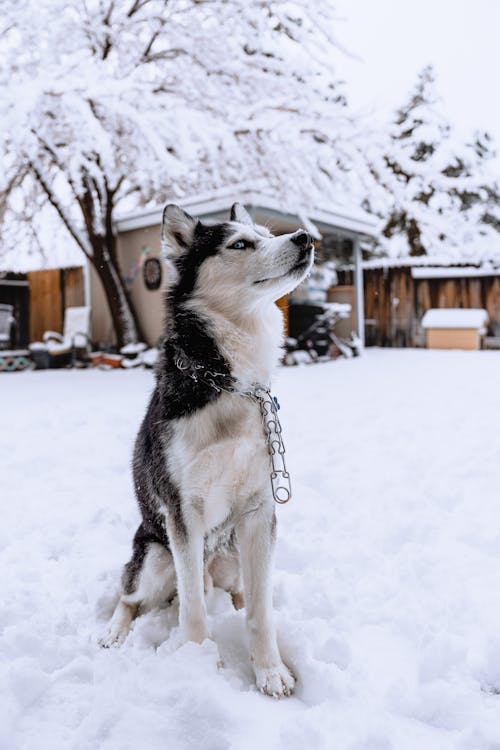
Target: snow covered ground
[(387, 575)]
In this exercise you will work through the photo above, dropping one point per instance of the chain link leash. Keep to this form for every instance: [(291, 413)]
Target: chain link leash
[(280, 478)]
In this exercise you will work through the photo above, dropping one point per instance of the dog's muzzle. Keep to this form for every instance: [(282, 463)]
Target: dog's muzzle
[(304, 242)]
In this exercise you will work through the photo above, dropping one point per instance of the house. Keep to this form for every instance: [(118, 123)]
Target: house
[(40, 288), (398, 292), (144, 271)]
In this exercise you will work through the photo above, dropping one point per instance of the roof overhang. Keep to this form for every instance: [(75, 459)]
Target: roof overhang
[(433, 266), (320, 221), (35, 264), (454, 272)]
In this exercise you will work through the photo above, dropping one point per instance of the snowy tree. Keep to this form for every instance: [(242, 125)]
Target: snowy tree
[(435, 194), (109, 105), (479, 195)]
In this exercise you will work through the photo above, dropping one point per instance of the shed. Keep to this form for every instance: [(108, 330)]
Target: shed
[(39, 298), (139, 241), (399, 291), (41, 285), (455, 328)]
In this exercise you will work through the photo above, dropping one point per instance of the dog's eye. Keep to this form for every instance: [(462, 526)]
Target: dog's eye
[(241, 244)]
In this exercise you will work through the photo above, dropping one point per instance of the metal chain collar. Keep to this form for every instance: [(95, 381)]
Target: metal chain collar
[(280, 478), (200, 373)]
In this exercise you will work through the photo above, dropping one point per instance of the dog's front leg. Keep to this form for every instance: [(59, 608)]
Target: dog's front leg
[(256, 536), (187, 550)]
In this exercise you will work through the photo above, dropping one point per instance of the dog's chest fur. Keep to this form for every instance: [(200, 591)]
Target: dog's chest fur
[(220, 458), (218, 453)]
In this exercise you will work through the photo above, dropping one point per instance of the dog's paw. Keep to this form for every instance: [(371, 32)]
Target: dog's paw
[(195, 630), (275, 681), (238, 599), (113, 637), (119, 626)]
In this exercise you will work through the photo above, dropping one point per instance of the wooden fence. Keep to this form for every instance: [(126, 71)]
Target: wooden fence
[(50, 293), (395, 302)]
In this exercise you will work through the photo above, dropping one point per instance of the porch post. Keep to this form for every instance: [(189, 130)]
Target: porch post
[(87, 296), (359, 290)]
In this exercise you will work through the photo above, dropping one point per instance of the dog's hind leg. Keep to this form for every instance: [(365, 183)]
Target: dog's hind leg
[(119, 624), (225, 571), (148, 581)]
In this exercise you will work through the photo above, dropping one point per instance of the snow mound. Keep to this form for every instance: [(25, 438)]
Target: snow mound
[(455, 318)]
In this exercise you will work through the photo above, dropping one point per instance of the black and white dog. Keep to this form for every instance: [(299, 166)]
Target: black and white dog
[(201, 462)]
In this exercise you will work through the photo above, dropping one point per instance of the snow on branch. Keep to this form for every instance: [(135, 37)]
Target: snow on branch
[(129, 103)]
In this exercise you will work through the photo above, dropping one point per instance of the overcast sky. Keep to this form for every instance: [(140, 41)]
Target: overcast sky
[(394, 39)]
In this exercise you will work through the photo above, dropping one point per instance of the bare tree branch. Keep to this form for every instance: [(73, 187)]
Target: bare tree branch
[(136, 6), (60, 210)]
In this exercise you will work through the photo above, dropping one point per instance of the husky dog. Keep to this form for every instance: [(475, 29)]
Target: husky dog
[(201, 463)]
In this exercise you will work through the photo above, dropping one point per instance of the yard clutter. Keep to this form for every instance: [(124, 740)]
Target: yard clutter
[(7, 326), (11, 359), (14, 360), (135, 355), (312, 321), (70, 348), (132, 355), (455, 328), (74, 348), (129, 356), (313, 337), (106, 360)]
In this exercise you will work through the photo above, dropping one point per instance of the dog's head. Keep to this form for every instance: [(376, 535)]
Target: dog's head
[(235, 262)]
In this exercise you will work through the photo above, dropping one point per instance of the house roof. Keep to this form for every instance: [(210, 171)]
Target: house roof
[(25, 262), (429, 266), (348, 221), (455, 272)]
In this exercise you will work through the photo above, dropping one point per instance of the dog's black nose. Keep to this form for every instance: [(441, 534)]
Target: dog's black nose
[(301, 238)]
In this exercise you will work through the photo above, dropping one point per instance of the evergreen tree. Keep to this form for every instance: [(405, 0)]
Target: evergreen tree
[(435, 194)]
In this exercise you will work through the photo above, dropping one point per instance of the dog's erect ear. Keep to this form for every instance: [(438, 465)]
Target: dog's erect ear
[(240, 214), (177, 230)]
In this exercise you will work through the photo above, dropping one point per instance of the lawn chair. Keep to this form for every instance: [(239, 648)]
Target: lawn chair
[(72, 348)]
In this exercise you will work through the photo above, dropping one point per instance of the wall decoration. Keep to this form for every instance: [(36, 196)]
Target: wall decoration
[(136, 266), (151, 271)]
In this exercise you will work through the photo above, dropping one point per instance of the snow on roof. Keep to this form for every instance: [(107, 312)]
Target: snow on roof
[(487, 266), (321, 219), (449, 272), (455, 318), (54, 247), (24, 262)]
